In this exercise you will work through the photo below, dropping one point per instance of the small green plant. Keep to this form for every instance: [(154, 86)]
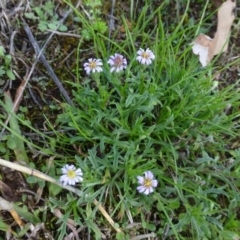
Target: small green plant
[(5, 65), (46, 17), (98, 24)]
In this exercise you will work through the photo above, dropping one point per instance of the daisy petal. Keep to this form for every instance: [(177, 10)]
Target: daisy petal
[(145, 57), (93, 65), (71, 175), (146, 183), (117, 62)]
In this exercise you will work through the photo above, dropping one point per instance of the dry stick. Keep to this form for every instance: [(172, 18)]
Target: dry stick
[(45, 62), (45, 177), (8, 206), (143, 236), (33, 67), (65, 34)]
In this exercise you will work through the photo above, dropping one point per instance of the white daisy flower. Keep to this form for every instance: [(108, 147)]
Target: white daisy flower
[(93, 65), (147, 183), (117, 62), (145, 57), (71, 175)]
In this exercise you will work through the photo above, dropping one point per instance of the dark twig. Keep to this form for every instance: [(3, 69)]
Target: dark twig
[(45, 62), (42, 57), (166, 230)]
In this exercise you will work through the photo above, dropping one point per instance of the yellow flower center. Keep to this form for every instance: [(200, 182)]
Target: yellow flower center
[(145, 55), (71, 174), (92, 65), (147, 183)]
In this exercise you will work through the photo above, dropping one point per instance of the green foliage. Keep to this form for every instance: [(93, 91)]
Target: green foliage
[(169, 118), (5, 65), (95, 24), (14, 142), (46, 17)]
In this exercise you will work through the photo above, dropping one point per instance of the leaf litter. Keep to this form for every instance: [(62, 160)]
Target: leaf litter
[(206, 47)]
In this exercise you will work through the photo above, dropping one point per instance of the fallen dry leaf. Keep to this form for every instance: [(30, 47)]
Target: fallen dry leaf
[(200, 47), (225, 20), (206, 47)]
